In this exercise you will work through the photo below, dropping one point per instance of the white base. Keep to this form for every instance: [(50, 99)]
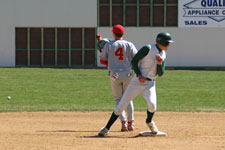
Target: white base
[(148, 133)]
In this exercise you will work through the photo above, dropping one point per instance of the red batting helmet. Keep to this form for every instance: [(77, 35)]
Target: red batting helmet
[(118, 29)]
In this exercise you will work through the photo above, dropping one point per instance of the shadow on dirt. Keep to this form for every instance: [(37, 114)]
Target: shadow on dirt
[(108, 137), (94, 136)]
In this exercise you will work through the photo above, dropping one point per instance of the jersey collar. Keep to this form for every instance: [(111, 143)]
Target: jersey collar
[(159, 49)]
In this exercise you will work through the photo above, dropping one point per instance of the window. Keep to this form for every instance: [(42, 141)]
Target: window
[(138, 12), (89, 44), (35, 46), (49, 46), (21, 46), (56, 47), (145, 13), (172, 13), (76, 46)]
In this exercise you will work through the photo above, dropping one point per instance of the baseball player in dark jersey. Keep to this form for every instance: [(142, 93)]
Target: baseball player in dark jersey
[(147, 63), (117, 54)]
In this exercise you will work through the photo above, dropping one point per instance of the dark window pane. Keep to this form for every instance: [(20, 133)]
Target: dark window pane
[(158, 16), (62, 57), (171, 16), (76, 57), (131, 1), (144, 1), (131, 16), (35, 38), (35, 58), (63, 38), (89, 38), (117, 15), (21, 38), (144, 16), (117, 1), (158, 1), (49, 38), (104, 16), (49, 58), (76, 38), (172, 1), (104, 1), (90, 57), (21, 57)]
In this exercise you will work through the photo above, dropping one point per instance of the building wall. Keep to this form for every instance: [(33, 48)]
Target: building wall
[(192, 47), (7, 37), (40, 13), (55, 13)]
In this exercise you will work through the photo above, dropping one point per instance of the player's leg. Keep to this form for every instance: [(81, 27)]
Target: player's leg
[(104, 131), (123, 119), (131, 92), (117, 90), (130, 108), (150, 96)]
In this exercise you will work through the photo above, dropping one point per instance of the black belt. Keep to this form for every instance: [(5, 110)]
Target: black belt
[(148, 79)]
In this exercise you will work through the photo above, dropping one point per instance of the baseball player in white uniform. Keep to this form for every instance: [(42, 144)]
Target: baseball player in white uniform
[(147, 63), (117, 54)]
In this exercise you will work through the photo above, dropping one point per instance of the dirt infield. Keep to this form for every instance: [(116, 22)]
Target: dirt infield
[(78, 130)]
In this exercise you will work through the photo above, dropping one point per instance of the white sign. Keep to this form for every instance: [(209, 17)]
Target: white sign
[(201, 13)]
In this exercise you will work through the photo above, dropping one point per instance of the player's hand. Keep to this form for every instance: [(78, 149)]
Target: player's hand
[(159, 59), (141, 79)]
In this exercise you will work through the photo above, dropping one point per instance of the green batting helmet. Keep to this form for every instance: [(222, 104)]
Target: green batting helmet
[(164, 38)]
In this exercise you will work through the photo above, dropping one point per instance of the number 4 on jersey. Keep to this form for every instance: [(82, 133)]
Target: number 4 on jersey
[(119, 53)]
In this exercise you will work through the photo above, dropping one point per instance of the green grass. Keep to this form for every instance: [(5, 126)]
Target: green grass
[(192, 91), (35, 89)]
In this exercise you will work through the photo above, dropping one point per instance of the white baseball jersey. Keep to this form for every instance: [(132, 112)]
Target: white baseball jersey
[(148, 65), (119, 54)]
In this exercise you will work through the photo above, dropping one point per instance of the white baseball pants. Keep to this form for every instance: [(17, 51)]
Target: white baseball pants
[(135, 88), (119, 84)]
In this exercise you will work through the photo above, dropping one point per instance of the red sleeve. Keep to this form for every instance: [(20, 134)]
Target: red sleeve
[(104, 62)]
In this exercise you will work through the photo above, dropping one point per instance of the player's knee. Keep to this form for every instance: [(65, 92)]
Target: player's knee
[(152, 107), (117, 101), (118, 111)]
